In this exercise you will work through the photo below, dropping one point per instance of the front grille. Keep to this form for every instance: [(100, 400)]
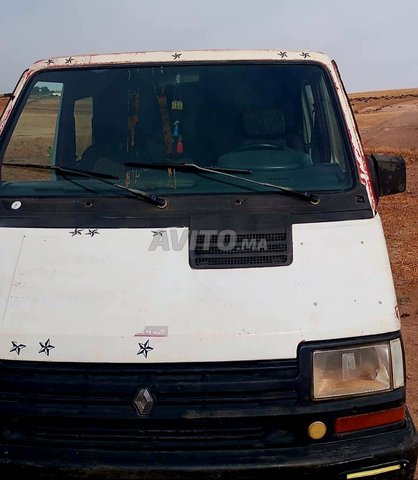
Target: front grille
[(197, 407), (110, 435), (241, 249)]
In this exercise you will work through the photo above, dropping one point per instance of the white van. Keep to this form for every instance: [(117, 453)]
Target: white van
[(194, 281)]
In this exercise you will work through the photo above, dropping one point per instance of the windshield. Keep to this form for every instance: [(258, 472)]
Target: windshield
[(278, 121)]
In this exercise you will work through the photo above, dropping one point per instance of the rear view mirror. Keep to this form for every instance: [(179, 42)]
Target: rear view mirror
[(388, 174)]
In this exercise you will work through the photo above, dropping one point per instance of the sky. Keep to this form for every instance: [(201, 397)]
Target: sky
[(374, 42)]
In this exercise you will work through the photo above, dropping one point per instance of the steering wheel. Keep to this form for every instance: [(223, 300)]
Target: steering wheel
[(259, 146)]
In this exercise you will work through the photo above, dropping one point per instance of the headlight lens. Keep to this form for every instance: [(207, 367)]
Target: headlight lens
[(358, 370)]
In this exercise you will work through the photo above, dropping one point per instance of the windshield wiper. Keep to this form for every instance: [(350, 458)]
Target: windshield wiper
[(227, 172), (101, 177)]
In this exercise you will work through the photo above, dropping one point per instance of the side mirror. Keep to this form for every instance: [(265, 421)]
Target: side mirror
[(388, 173)]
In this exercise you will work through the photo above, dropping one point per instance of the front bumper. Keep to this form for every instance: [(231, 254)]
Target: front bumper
[(331, 460)]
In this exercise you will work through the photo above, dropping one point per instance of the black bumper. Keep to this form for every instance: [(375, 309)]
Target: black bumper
[(332, 460)]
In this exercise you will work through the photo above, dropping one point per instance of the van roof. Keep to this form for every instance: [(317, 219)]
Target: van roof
[(180, 56)]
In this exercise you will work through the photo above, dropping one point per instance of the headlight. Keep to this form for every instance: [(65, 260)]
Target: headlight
[(358, 370)]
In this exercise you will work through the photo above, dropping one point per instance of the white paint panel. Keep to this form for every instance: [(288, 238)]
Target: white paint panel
[(10, 244), (91, 295)]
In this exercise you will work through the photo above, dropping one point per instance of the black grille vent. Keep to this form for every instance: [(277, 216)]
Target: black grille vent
[(233, 250), (231, 405)]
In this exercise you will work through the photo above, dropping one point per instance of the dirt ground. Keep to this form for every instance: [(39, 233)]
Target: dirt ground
[(3, 103), (388, 118), (389, 124), (400, 221)]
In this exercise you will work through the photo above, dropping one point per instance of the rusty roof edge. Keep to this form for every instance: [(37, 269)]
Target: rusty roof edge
[(179, 56)]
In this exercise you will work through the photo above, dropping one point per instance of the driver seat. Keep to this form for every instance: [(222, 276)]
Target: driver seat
[(264, 126), (264, 133)]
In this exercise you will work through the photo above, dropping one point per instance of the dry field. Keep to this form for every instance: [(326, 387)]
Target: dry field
[(388, 123), (3, 102), (35, 132), (388, 118)]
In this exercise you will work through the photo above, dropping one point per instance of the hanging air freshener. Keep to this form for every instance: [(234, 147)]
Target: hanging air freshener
[(176, 129), (133, 113), (162, 103), (177, 103), (179, 148)]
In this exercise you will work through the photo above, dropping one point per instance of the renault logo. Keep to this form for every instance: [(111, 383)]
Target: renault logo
[(144, 402)]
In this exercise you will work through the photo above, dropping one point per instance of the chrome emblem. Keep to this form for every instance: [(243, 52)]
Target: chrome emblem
[(144, 402)]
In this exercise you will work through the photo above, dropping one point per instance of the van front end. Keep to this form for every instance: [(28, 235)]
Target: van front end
[(194, 279), (228, 420), (261, 380)]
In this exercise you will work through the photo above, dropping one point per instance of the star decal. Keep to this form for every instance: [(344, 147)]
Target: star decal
[(77, 231), (69, 60), (92, 232), (50, 62), (282, 54), (144, 348), (176, 55), (17, 347), (305, 55), (46, 347)]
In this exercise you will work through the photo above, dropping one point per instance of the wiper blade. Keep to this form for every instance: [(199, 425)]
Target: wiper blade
[(101, 177), (186, 166), (291, 192), (58, 169)]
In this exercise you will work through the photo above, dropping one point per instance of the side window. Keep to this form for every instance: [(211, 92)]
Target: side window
[(83, 117), (34, 137), (321, 130), (336, 144)]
